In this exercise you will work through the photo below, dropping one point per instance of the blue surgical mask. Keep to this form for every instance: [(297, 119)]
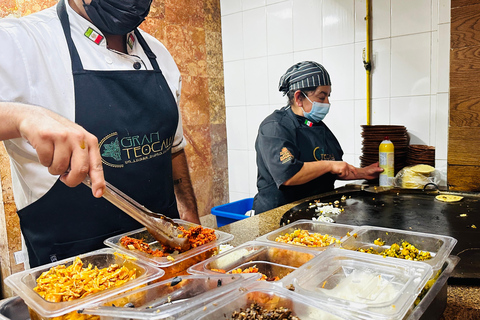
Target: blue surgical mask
[(318, 112)]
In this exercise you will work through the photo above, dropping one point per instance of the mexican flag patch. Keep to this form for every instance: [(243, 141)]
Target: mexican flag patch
[(308, 123), (93, 35)]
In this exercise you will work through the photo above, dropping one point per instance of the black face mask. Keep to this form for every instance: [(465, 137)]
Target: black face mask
[(117, 16)]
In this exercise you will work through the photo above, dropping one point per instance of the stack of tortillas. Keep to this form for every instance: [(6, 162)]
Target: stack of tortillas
[(416, 177)]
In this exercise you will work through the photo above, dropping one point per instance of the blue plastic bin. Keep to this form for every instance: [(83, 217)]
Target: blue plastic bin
[(232, 212)]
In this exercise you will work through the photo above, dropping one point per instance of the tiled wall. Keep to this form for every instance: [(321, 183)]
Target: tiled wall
[(410, 77)]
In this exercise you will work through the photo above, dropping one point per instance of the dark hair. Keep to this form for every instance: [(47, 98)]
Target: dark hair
[(291, 94)]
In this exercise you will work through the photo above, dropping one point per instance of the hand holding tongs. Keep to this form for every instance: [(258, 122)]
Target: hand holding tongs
[(162, 228)]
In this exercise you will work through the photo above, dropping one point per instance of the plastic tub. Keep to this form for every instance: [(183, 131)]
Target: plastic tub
[(232, 212), (439, 246), (369, 287), (24, 282), (271, 259), (181, 261), (268, 296), (170, 299), (339, 231)]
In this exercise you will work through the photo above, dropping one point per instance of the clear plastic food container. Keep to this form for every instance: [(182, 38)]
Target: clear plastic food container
[(24, 282), (276, 261), (339, 231), (438, 246), (369, 287), (176, 264), (170, 299), (267, 296)]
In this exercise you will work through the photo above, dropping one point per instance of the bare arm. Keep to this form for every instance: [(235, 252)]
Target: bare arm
[(187, 203), (370, 172), (344, 171), (61, 144)]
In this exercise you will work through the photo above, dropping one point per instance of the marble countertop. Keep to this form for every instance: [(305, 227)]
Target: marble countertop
[(463, 302)]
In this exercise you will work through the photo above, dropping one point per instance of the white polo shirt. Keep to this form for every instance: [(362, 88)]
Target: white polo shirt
[(35, 68)]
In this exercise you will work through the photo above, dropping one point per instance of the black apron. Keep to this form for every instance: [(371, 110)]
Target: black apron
[(134, 116), (315, 143)]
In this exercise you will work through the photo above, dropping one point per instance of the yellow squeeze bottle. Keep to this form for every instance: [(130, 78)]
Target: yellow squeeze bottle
[(386, 161)]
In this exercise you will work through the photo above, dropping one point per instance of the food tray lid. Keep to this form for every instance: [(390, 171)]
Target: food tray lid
[(271, 296), (369, 286), (439, 246), (279, 259), (24, 282), (170, 299), (163, 262), (337, 230)]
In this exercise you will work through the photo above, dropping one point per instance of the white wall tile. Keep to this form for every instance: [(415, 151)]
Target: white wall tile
[(413, 113), (234, 78), (308, 55), (410, 65), (251, 4), (339, 62), (360, 118), (236, 123), (381, 68), (252, 173), (411, 16), (443, 58), (444, 8), (238, 171), (441, 121), (341, 122), (381, 20), (360, 84), (434, 62), (360, 22), (277, 66), (232, 37), (235, 196), (274, 1), (434, 15), (380, 111), (280, 28), (307, 24), (229, 6), (338, 22), (254, 33), (433, 120), (256, 81), (255, 116)]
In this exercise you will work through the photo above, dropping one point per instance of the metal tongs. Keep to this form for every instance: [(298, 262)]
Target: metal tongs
[(162, 228)]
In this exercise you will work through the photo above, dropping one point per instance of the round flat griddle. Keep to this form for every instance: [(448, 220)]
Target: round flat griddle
[(413, 210)]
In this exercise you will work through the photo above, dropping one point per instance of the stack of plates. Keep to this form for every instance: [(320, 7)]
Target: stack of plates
[(420, 154), (374, 135)]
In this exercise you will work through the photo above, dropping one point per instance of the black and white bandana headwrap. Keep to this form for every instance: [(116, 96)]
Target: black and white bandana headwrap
[(304, 74)]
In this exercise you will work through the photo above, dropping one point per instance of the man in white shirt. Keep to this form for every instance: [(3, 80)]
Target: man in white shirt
[(83, 91)]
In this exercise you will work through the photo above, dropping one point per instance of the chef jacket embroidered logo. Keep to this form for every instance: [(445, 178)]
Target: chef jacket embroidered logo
[(119, 151), (321, 155), (285, 155)]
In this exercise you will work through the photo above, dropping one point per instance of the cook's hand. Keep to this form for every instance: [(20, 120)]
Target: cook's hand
[(372, 171), (342, 169), (66, 148)]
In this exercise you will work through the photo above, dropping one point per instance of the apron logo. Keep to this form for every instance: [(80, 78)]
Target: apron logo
[(320, 155), (285, 155), (119, 151), (112, 150)]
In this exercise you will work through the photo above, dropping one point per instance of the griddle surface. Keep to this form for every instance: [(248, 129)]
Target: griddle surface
[(412, 210)]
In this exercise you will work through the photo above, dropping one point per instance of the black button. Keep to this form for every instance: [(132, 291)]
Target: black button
[(137, 65)]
